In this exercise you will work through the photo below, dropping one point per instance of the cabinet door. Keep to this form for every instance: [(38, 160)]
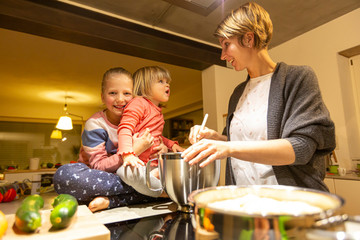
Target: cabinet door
[(330, 184), (349, 190)]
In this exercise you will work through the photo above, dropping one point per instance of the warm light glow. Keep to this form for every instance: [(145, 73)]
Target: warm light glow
[(64, 123), (56, 134)]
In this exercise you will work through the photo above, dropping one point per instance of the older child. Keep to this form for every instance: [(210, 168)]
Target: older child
[(151, 88), (93, 179)]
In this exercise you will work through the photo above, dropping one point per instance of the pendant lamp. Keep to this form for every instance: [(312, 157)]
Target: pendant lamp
[(65, 121), (56, 134)]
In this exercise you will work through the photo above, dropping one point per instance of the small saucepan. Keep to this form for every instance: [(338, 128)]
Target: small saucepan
[(179, 179)]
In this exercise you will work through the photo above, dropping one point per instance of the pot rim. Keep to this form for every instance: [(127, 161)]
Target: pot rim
[(325, 213), (172, 155)]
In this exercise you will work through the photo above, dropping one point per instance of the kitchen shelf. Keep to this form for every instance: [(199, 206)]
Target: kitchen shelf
[(180, 129)]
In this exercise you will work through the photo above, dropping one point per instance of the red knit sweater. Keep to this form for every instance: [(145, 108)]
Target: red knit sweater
[(139, 114)]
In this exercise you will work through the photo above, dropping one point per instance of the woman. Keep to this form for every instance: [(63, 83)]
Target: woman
[(278, 128)]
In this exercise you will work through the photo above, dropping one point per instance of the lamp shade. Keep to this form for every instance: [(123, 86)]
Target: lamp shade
[(64, 123), (56, 134)]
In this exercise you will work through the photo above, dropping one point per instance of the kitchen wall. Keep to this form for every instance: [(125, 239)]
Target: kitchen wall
[(319, 48), (37, 72), (218, 84)]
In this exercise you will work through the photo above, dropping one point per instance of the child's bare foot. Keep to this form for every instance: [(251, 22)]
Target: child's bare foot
[(163, 195), (99, 203)]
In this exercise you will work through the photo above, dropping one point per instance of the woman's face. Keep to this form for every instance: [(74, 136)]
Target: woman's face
[(117, 93), (234, 53)]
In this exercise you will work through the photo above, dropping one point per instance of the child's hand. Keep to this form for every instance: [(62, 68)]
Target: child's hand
[(177, 148), (159, 149), (131, 160), (140, 144)]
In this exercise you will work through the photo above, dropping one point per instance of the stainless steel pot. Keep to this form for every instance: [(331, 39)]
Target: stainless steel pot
[(179, 179), (217, 223)]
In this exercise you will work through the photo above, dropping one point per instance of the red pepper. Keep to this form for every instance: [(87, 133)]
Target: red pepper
[(9, 195), (2, 193)]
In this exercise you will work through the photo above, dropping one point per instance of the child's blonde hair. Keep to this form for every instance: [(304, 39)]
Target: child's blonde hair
[(145, 76), (250, 17), (112, 71)]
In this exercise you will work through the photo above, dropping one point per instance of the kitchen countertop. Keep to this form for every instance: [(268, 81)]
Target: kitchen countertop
[(116, 215), (105, 216), (348, 176)]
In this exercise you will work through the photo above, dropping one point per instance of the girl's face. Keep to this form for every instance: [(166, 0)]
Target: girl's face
[(117, 93), (234, 53), (160, 91)]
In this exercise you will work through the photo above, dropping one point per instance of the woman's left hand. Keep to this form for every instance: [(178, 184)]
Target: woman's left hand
[(206, 151)]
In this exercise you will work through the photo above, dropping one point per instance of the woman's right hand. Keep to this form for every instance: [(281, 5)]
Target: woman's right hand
[(196, 134), (206, 151), (140, 144)]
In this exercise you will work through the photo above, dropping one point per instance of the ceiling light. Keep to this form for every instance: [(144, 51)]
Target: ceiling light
[(56, 134), (65, 121)]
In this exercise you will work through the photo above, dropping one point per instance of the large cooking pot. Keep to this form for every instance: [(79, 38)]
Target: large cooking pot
[(179, 179), (230, 222)]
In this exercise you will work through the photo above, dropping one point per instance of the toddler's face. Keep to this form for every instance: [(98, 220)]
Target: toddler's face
[(117, 93), (160, 91)]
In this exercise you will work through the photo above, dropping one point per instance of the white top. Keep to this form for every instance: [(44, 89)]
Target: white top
[(250, 124)]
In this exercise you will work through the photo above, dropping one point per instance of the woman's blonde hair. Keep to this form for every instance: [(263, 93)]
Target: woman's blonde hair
[(145, 76), (250, 17)]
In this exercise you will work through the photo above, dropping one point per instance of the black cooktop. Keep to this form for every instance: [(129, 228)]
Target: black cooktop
[(172, 226)]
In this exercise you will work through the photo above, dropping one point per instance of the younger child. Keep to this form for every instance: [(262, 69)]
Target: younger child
[(151, 88)]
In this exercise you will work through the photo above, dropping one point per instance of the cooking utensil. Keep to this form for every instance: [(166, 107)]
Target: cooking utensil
[(203, 124), (179, 179), (232, 224)]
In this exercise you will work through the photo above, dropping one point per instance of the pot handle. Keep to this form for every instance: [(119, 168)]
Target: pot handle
[(336, 220), (148, 181), (331, 221)]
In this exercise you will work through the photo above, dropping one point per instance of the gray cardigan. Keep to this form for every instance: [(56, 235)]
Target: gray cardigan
[(296, 112)]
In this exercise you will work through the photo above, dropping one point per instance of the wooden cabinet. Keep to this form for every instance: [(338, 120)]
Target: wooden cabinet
[(21, 175), (330, 184), (180, 129), (347, 189)]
